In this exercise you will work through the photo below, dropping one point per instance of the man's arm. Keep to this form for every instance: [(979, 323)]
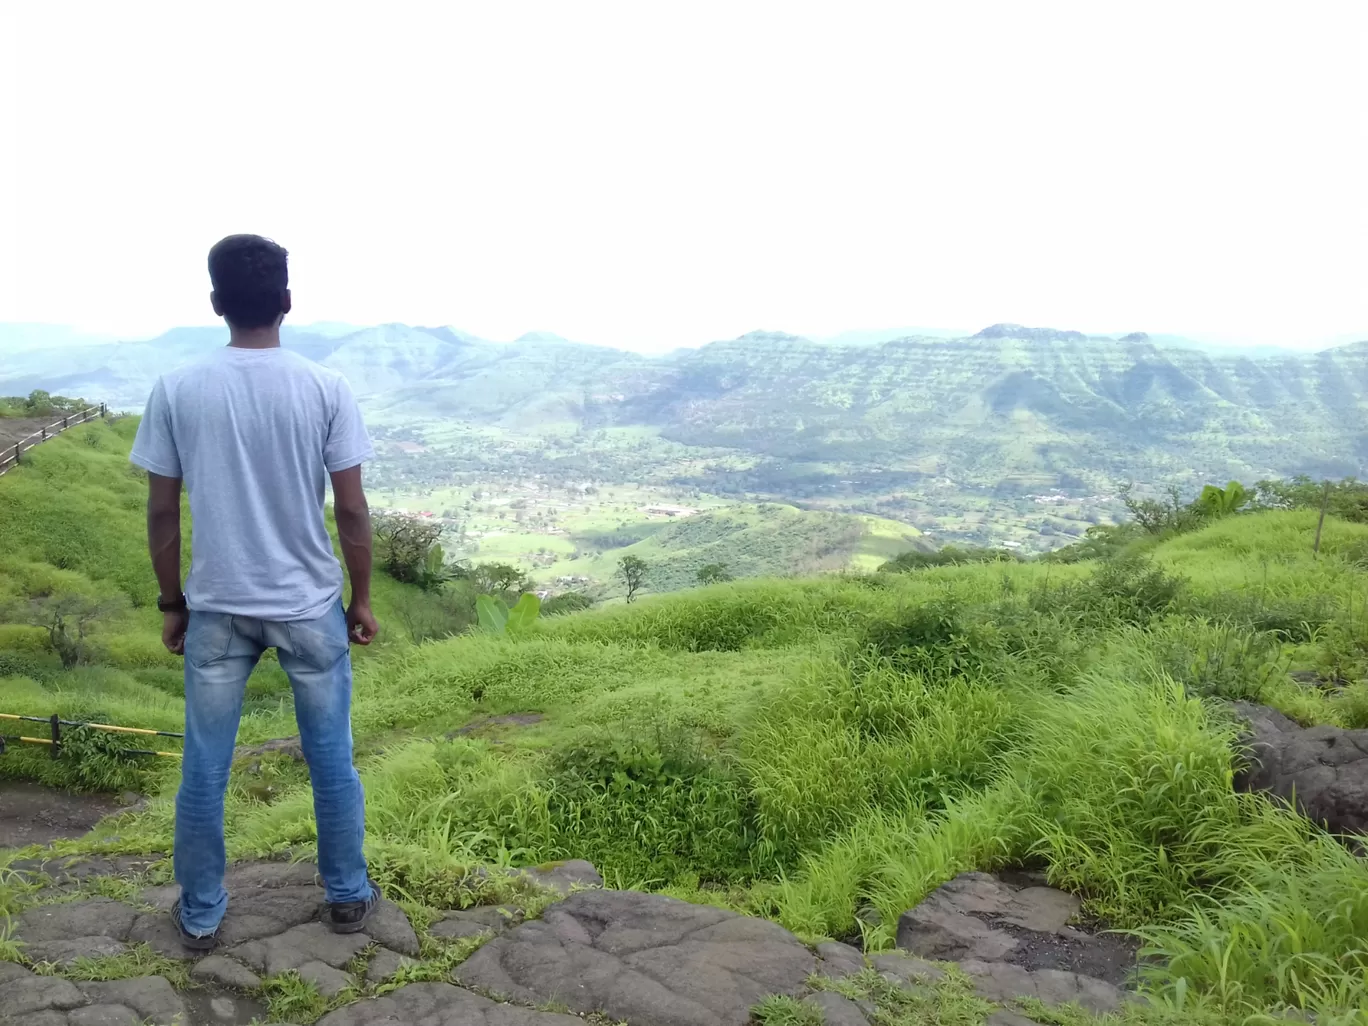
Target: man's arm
[(164, 542), (354, 532)]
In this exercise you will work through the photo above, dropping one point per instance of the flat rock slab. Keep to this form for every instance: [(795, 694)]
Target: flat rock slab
[(64, 952), (65, 872), (440, 1004), (1323, 769), (1000, 981), (97, 917), (384, 964), (104, 1015), (563, 877), (837, 961), (644, 959), (985, 918), (471, 922), (152, 997), (837, 1010), (329, 981), (299, 945), (33, 993), (225, 972), (906, 971), (389, 927)]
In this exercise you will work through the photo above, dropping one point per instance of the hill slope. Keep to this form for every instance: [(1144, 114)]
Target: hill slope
[(74, 517), (766, 540)]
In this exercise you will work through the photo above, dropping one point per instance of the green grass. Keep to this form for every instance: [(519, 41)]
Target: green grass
[(808, 750)]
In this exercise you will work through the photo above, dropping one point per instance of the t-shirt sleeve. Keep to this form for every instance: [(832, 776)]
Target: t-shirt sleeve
[(348, 444), (154, 446)]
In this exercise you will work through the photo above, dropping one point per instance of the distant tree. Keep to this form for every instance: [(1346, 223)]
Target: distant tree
[(68, 620), (714, 573), (632, 570), (498, 578), (1156, 516)]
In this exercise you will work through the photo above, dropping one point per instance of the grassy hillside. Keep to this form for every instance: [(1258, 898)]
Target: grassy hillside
[(766, 540), (816, 751), (74, 533)]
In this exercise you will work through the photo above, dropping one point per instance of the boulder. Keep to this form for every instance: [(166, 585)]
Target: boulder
[(1324, 769), (642, 958)]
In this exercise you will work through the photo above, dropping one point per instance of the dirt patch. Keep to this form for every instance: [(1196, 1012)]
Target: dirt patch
[(15, 429), (34, 814), (1106, 956)]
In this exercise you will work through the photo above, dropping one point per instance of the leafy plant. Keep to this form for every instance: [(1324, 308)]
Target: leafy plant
[(1221, 502), (497, 618)]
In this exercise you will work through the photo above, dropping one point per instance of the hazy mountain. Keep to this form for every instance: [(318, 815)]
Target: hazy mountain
[(1010, 406)]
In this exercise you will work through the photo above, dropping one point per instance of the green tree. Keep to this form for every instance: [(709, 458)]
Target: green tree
[(632, 570), (408, 551), (68, 619), (714, 573)]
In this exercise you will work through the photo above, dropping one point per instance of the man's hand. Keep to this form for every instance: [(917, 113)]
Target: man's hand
[(361, 625), (173, 631)]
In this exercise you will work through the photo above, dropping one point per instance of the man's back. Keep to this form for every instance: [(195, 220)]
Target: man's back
[(254, 432)]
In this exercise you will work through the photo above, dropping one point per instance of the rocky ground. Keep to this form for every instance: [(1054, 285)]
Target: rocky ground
[(603, 955), (95, 946)]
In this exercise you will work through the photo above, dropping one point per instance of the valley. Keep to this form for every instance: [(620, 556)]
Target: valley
[(1015, 437)]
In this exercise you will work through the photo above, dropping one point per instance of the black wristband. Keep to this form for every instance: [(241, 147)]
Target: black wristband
[(176, 605)]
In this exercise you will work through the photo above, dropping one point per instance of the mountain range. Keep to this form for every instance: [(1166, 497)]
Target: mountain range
[(1008, 407)]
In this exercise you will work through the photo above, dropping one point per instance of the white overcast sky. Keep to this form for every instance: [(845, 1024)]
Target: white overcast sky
[(650, 174)]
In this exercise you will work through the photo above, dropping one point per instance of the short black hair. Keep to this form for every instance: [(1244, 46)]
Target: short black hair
[(250, 276)]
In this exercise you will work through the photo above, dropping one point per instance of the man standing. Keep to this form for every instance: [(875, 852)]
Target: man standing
[(252, 431)]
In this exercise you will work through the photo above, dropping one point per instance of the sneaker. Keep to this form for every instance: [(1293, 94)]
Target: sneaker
[(351, 916), (192, 941)]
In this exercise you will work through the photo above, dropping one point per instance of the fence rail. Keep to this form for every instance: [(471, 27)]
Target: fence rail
[(9, 456)]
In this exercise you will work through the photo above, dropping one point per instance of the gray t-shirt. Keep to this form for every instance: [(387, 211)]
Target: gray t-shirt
[(254, 433)]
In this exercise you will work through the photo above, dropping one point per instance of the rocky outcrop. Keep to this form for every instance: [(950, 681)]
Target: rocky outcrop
[(1323, 770), (1017, 938), (643, 959)]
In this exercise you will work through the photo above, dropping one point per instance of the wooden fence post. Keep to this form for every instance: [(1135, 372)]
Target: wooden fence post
[(1325, 501)]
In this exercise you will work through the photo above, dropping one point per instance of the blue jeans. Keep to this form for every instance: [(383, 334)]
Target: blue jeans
[(220, 654)]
